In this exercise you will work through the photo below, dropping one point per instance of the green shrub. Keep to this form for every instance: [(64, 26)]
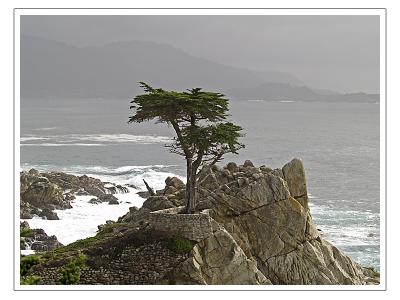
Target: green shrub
[(179, 244), (27, 262), (25, 232), (30, 280), (71, 273)]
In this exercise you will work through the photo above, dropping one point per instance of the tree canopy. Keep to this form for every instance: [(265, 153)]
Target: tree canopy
[(198, 117)]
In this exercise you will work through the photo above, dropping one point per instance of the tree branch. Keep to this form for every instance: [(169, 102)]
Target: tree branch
[(180, 138)]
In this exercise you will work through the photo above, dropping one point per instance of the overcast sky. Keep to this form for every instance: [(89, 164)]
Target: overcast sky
[(327, 52)]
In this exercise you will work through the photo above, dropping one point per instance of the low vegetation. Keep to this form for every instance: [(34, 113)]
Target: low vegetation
[(26, 232), (27, 262), (79, 244), (70, 274), (179, 244), (31, 280)]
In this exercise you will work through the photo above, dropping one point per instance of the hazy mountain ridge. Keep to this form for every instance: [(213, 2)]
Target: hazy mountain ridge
[(54, 69)]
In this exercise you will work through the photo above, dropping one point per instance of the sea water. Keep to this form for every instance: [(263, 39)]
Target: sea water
[(338, 143)]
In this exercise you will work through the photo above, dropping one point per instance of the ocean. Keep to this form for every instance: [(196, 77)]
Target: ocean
[(338, 143)]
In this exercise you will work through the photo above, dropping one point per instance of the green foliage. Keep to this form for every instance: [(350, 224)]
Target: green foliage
[(71, 273), (179, 244), (30, 280), (197, 117), (26, 232), (27, 262)]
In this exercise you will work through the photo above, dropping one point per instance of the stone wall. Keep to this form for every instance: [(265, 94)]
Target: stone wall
[(147, 264), (194, 227)]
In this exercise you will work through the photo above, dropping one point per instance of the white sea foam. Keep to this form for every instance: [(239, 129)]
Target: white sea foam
[(45, 128), (34, 138), (62, 144), (347, 228), (82, 219), (92, 139), (286, 101)]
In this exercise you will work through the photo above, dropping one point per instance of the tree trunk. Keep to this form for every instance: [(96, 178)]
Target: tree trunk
[(190, 187)]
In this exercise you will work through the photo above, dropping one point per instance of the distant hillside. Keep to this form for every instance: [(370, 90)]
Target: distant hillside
[(55, 69), (274, 91), (281, 91), (50, 68)]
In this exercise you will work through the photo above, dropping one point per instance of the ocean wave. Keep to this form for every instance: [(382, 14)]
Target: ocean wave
[(62, 144), (34, 138), (92, 139), (45, 128)]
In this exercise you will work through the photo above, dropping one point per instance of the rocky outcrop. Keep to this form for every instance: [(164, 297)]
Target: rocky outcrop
[(266, 214), (253, 226), (173, 195), (41, 193), (36, 239)]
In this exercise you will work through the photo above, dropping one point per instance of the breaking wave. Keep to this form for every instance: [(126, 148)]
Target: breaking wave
[(90, 139)]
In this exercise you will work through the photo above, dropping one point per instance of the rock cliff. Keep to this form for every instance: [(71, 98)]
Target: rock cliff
[(253, 226)]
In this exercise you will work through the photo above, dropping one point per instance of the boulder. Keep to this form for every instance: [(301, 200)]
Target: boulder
[(154, 203), (232, 167), (113, 202), (37, 239), (94, 201), (42, 194), (94, 191), (24, 225), (45, 243), (248, 163), (107, 198), (48, 214), (174, 182), (295, 176), (69, 197)]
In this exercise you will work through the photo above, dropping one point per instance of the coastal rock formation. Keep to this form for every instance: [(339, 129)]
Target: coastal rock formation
[(253, 226), (41, 193), (36, 239), (266, 213), (218, 259)]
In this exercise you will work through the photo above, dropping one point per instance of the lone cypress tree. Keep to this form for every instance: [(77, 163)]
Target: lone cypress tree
[(199, 119)]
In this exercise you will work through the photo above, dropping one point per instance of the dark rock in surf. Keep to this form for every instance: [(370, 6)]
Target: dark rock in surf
[(113, 202)]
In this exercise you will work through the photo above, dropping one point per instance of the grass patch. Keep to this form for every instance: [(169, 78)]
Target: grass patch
[(179, 244), (70, 274), (27, 262), (31, 280)]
